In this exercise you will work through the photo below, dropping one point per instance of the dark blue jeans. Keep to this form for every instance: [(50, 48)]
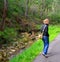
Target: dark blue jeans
[(46, 44)]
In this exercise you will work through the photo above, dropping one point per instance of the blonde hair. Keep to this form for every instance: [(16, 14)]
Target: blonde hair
[(46, 21)]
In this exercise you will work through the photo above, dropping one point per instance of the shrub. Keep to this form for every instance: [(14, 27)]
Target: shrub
[(8, 35), (55, 18)]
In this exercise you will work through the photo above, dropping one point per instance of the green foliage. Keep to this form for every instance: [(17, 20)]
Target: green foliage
[(55, 18), (35, 8), (15, 7), (8, 35), (49, 8)]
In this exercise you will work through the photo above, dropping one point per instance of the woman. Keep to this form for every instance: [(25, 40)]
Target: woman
[(45, 37)]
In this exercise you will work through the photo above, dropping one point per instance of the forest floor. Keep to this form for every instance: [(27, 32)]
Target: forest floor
[(7, 51), (53, 54)]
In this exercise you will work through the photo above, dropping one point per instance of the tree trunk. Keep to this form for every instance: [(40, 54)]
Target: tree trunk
[(4, 15), (42, 10), (26, 11)]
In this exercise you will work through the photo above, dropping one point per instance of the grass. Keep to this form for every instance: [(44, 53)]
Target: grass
[(30, 54)]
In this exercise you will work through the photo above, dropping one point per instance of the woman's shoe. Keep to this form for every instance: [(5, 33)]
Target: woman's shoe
[(45, 55)]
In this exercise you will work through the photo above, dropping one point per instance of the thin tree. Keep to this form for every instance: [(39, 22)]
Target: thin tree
[(4, 15), (42, 8), (26, 11)]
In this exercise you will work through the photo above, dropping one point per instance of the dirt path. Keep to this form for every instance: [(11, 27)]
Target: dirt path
[(54, 52)]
